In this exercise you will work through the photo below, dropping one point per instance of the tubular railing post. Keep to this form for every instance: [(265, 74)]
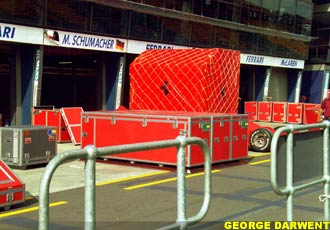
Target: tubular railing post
[(44, 201), (289, 175), (90, 188), (44, 191), (181, 192), (326, 171), (179, 224)]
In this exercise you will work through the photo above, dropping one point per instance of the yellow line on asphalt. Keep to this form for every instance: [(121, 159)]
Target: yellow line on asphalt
[(259, 162), (259, 154), (13, 213), (130, 178), (166, 180)]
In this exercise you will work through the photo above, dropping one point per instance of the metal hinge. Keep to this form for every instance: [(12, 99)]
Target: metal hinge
[(26, 157), (113, 120), (183, 132), (144, 122), (86, 119), (9, 197), (175, 124), (48, 153)]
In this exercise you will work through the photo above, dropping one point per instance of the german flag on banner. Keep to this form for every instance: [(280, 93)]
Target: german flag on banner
[(120, 45)]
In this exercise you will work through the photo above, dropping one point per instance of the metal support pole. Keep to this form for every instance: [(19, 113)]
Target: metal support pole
[(90, 188), (326, 172), (289, 176), (181, 192)]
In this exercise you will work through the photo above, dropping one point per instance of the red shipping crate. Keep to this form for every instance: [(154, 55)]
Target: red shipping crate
[(53, 117), (251, 108), (294, 113), (265, 111), (193, 80), (279, 112), (12, 189), (126, 127), (311, 113)]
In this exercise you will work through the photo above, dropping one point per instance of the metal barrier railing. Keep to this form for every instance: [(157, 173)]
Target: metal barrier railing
[(91, 153), (290, 187)]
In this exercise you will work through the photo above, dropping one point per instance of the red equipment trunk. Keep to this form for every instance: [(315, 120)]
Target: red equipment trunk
[(53, 117), (12, 189), (226, 134)]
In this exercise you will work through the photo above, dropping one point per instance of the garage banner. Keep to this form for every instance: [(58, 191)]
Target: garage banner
[(21, 34), (83, 41), (48, 37)]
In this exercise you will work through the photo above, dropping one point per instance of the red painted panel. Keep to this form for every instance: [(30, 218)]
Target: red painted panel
[(72, 120), (294, 113), (221, 139), (251, 108), (239, 136), (264, 111), (279, 112), (311, 113), (39, 117)]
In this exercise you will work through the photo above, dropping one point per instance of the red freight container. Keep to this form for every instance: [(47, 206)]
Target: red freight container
[(311, 113), (279, 112), (294, 113), (192, 80), (265, 111), (51, 117), (251, 108), (226, 134), (12, 189)]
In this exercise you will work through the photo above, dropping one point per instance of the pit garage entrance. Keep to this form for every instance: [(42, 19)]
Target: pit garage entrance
[(70, 78)]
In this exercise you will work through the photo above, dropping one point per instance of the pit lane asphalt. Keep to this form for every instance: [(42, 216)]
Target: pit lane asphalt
[(135, 197)]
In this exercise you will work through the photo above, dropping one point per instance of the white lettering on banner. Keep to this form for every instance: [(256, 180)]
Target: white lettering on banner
[(7, 32), (66, 39), (254, 59), (89, 42), (285, 62), (157, 47), (271, 61)]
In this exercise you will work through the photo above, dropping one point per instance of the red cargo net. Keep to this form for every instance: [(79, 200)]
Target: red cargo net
[(194, 80)]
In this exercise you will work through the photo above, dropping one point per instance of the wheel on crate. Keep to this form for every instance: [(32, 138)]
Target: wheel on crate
[(260, 140)]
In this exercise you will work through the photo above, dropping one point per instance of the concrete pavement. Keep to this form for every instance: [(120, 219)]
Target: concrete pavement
[(72, 174)]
